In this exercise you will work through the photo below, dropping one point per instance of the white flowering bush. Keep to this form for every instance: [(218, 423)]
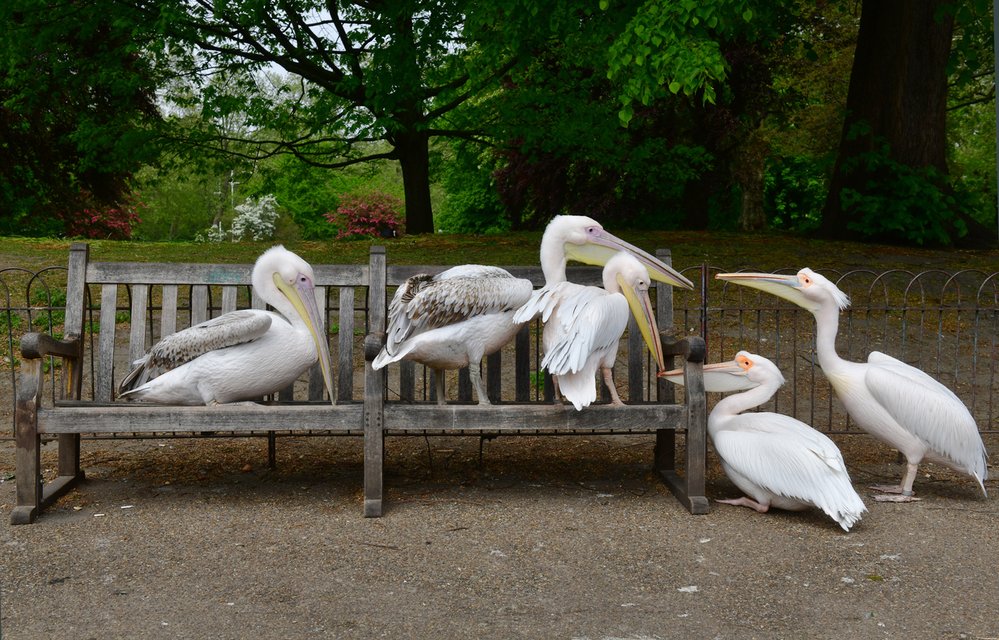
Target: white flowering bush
[(214, 233), (255, 220)]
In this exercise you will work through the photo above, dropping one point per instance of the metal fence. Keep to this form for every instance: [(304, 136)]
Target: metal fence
[(945, 323)]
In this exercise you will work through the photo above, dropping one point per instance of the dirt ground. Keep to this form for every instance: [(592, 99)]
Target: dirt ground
[(569, 537)]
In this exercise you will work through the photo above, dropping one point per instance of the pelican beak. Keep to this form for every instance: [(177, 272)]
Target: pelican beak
[(302, 296), (601, 246), (641, 308), (782, 286), (719, 377)]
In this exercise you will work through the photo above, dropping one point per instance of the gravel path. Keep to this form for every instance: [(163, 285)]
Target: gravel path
[(566, 537)]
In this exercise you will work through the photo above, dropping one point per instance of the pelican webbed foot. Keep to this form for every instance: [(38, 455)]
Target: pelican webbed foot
[(746, 502), (895, 497), (893, 493)]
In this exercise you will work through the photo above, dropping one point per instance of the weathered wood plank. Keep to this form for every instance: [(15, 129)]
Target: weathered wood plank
[(317, 387), (374, 388), (494, 376), (636, 361), (530, 418), (522, 364), (76, 289), (199, 304), (229, 296), (345, 346), (104, 383), (212, 274), (148, 418), (137, 322), (168, 311)]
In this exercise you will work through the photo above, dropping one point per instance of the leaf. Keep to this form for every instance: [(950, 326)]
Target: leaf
[(674, 87)]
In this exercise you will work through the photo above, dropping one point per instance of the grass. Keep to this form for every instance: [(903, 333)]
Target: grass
[(727, 250)]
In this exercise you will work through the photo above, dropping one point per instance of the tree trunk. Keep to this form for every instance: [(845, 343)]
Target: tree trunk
[(898, 94), (413, 150), (749, 171)]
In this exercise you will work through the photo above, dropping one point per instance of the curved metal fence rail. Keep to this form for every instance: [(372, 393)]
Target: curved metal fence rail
[(945, 323)]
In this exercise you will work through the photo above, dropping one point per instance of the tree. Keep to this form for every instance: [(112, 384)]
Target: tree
[(890, 178), (76, 114), (361, 72)]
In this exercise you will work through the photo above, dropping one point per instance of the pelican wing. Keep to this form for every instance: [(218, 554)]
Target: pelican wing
[(423, 302), (927, 409), (589, 320), (235, 327), (545, 300), (789, 458)]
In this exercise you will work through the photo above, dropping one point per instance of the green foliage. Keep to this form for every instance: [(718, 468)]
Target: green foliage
[(180, 202), (538, 382), (972, 161), (795, 192), (673, 47), (901, 202), (471, 203), (77, 112)]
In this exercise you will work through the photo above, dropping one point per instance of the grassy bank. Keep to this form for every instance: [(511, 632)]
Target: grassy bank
[(726, 250)]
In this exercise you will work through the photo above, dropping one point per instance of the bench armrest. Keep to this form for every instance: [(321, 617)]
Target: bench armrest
[(691, 348), (38, 345), (373, 343)]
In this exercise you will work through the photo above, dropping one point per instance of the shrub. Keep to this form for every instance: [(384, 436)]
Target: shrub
[(255, 220), (368, 215), (103, 223)]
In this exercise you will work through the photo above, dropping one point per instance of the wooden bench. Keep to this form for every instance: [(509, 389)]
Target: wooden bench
[(98, 346), (158, 299), (403, 408)]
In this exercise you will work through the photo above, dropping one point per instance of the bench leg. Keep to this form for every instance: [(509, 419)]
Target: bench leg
[(27, 443), (374, 442), (28, 476), (69, 456), (689, 488)]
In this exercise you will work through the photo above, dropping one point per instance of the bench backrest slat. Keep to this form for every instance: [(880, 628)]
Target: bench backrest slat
[(104, 387), (229, 295), (199, 304), (345, 345), (168, 311), (137, 333)]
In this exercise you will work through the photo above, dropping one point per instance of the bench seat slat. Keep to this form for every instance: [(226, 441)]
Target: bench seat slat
[(500, 418), (140, 418)]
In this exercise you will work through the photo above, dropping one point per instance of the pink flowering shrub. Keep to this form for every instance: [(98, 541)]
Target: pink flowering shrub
[(373, 214), (105, 223)]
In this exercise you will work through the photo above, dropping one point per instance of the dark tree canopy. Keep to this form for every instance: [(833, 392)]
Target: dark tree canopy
[(76, 106)]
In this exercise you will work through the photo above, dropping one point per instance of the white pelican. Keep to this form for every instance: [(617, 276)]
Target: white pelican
[(453, 320), (242, 354), (582, 239), (889, 399), (584, 335), (777, 460)]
